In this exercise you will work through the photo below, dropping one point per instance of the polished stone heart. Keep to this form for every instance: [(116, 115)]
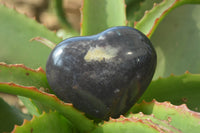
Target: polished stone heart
[(102, 75)]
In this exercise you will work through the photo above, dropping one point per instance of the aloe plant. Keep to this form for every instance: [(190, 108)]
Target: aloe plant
[(170, 103)]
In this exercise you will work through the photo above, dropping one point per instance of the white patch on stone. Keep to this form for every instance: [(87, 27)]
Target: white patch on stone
[(101, 53), (129, 53)]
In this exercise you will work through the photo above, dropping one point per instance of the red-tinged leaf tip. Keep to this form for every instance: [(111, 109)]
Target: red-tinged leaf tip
[(27, 121), (22, 66), (16, 126), (81, 24), (171, 74), (187, 72), (40, 70), (135, 23)]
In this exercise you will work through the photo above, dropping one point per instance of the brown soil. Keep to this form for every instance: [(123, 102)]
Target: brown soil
[(44, 13)]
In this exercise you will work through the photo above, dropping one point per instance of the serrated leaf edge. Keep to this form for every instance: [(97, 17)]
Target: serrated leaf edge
[(157, 20), (146, 121), (29, 121), (173, 5), (25, 122), (181, 108), (35, 94), (173, 75), (39, 70)]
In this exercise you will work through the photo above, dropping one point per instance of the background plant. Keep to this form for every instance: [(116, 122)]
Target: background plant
[(176, 40)]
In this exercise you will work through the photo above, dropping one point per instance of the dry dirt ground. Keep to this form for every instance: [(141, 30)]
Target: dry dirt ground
[(43, 12)]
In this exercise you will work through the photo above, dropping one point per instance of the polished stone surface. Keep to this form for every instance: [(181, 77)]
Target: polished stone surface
[(102, 75)]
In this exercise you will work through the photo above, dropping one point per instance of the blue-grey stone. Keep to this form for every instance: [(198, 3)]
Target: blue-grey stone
[(102, 75)]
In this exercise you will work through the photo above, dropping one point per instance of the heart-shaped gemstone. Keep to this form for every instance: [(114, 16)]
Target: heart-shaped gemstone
[(102, 75)]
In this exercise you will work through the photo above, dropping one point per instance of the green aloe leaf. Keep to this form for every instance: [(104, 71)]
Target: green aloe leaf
[(51, 122), (156, 117), (153, 17), (16, 31), (137, 123), (22, 75), (176, 40), (9, 116), (98, 15), (179, 117), (52, 102), (176, 89)]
